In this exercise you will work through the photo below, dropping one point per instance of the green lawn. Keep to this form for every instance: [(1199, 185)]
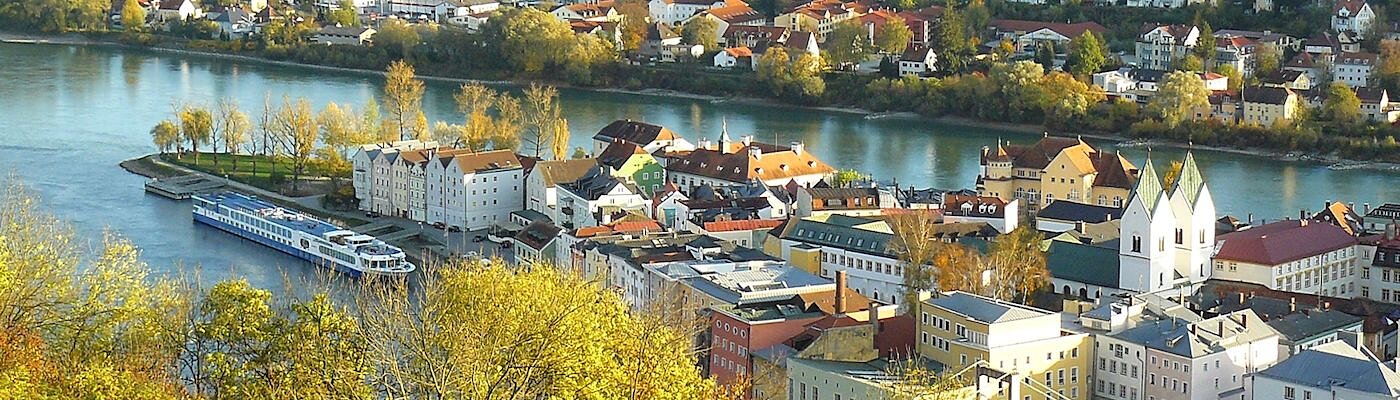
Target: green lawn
[(265, 172)]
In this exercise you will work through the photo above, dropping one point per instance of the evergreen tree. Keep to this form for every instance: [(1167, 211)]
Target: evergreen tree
[(1087, 54), (1205, 46)]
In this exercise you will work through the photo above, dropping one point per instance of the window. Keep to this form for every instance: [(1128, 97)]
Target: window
[(1178, 236), (1137, 244), (1289, 393)]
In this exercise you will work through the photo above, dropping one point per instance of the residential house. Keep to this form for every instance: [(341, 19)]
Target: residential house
[(1132, 84), (650, 136), (1000, 214), (799, 43), (595, 198), (1159, 47), (622, 260), (1375, 105), (1308, 328), (332, 5), (1173, 358), (738, 14), (736, 57), (1352, 17), (371, 175), (917, 61), (473, 190), (234, 22), (744, 232), (595, 11), (752, 36), (1265, 106), (1315, 65), (852, 201), (1354, 69), (1065, 215), (541, 182), (662, 42), (1021, 350), (672, 12), (1328, 43), (1166, 3), (1026, 35), (536, 243), (1289, 79), (633, 164), (708, 204), (1380, 218), (177, 10), (819, 16), (1237, 47), (736, 331), (1292, 255), (738, 163), (1379, 257), (921, 23), (1055, 168), (1335, 370), (355, 36), (453, 11)]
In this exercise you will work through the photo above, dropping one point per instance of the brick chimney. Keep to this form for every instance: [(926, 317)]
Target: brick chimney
[(873, 310), (840, 292)]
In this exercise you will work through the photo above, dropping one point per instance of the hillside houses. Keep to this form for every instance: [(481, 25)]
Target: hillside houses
[(1026, 35)]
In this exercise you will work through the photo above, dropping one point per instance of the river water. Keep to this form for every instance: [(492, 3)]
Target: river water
[(69, 114)]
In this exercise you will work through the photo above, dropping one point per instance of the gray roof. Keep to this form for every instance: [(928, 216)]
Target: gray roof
[(1192, 340), (1309, 324), (1065, 210), (1091, 264), (1337, 364), (985, 309)]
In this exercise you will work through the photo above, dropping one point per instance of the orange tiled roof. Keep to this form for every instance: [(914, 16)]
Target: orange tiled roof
[(742, 225)]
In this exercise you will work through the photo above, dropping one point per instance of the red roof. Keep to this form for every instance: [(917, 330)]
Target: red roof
[(1352, 6), (1282, 242), (742, 225)]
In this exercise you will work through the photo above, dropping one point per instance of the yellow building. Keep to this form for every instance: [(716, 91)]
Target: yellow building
[(1055, 168), (1024, 352), (1265, 106)]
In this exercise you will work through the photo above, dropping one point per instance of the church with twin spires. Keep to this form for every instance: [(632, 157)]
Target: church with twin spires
[(1167, 235)]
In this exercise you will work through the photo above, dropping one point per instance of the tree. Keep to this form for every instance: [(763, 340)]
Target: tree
[(398, 37), (1235, 77), (486, 330), (912, 242), (634, 25), (1341, 105), (232, 125), (1267, 59), (541, 117), (913, 380), (959, 268), (559, 141), (703, 31), (403, 96), (196, 125), (1388, 68), (846, 177), (894, 36), (374, 127), (1190, 63), (1067, 98), (345, 15), (444, 132), (1017, 265), (133, 16), (341, 130), (294, 130), (1170, 175), (473, 101), (1087, 54), (531, 40), (508, 125), (588, 53), (1205, 47), (952, 39), (420, 128), (1045, 55), (1179, 95), (165, 135), (847, 44)]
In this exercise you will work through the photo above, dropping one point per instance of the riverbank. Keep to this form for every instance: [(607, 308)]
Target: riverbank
[(1029, 129)]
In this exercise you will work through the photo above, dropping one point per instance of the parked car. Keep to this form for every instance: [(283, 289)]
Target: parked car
[(440, 225), (478, 239), (372, 214), (506, 245), (454, 228)]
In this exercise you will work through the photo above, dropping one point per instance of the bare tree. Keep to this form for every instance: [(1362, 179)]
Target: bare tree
[(913, 243), (542, 116), (294, 130)]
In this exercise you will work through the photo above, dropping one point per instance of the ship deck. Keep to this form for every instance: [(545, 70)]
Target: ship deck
[(273, 213)]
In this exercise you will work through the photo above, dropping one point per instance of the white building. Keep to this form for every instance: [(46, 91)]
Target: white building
[(1379, 260), (360, 5), (917, 61), (442, 10), (1160, 46), (541, 185), (1352, 16), (371, 165), (1335, 370), (1300, 256), (1172, 359), (738, 163), (474, 190), (595, 198), (357, 36), (1167, 237), (672, 12), (736, 57), (1354, 69)]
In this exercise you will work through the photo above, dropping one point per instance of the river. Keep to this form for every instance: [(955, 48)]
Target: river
[(69, 114)]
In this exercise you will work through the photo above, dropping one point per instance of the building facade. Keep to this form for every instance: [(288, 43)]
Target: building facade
[(1055, 168)]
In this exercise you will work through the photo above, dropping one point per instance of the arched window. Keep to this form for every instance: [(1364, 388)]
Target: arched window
[(1083, 293)]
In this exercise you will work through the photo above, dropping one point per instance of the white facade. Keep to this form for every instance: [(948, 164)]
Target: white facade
[(580, 212), (360, 5), (472, 199), (1353, 71), (673, 12), (1330, 274), (1350, 17), (1160, 47), (1167, 238)]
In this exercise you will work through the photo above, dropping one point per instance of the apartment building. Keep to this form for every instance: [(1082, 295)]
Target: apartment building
[(1159, 47), (1170, 359), (1299, 256), (1021, 348), (1336, 370), (473, 190), (1055, 168)]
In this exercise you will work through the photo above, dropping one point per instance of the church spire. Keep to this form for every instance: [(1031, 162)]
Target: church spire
[(1148, 187), (1190, 181)]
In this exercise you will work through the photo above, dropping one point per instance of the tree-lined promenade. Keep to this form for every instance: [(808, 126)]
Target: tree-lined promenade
[(289, 141)]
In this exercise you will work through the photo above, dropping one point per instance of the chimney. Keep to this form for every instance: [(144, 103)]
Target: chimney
[(840, 292), (703, 143), (1292, 305), (873, 309), (1193, 329), (1302, 215), (796, 147), (1302, 222), (746, 139), (1251, 218), (1220, 327), (755, 152), (1326, 305), (1368, 207), (1241, 297), (1351, 206)]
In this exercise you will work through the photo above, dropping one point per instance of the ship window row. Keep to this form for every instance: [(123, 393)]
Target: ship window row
[(338, 255), (247, 222)]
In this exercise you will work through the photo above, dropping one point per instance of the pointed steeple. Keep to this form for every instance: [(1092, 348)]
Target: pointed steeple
[(724, 136), (1149, 186), (1190, 180)]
